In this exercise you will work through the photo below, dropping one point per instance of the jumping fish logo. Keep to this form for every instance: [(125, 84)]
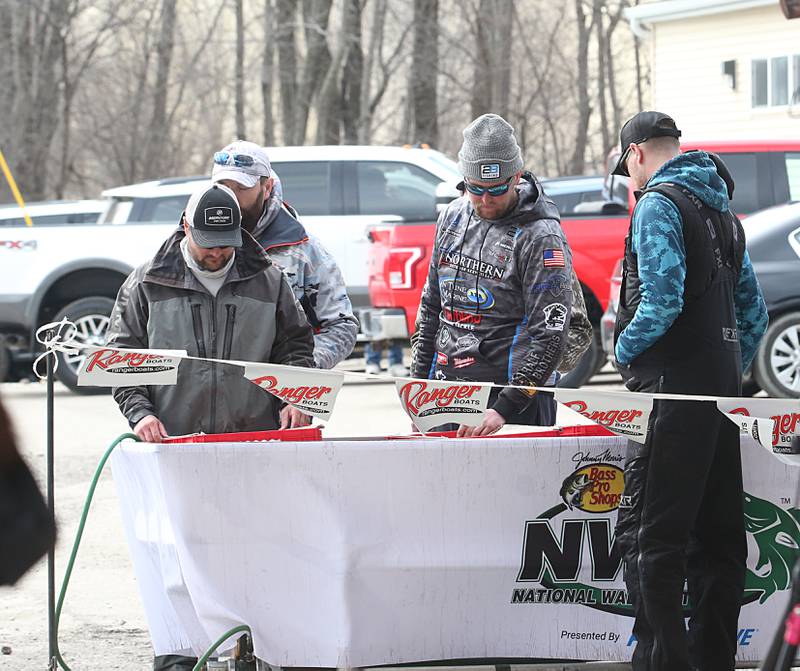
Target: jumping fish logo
[(777, 535), (573, 488)]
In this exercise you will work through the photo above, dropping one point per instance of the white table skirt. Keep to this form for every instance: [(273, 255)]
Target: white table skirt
[(384, 552)]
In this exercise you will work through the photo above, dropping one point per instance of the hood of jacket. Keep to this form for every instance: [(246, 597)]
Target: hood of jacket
[(701, 173), (275, 228)]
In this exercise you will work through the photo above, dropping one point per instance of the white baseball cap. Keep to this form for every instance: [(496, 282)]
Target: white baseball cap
[(243, 162)]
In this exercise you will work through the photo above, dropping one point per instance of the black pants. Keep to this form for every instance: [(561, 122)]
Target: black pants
[(681, 518), (174, 663)]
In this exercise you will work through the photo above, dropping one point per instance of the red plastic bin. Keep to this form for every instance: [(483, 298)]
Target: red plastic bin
[(303, 434)]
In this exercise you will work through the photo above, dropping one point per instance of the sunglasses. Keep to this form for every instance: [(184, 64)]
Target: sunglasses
[(497, 190), (237, 160)]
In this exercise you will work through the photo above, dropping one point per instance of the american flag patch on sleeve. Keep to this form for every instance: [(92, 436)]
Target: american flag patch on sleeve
[(553, 258)]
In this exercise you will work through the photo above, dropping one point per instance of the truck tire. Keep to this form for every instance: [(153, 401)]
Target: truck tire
[(90, 316), (591, 362), (777, 364)]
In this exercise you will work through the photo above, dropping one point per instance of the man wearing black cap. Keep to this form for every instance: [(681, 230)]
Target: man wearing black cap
[(208, 290), (690, 318)]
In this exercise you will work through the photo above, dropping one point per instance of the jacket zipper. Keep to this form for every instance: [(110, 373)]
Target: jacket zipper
[(197, 325), (213, 365), (230, 320)]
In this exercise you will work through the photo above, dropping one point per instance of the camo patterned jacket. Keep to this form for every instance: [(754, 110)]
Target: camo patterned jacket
[(657, 240), (315, 279), (501, 303)]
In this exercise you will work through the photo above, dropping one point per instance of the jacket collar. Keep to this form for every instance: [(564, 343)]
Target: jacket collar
[(169, 268), (278, 225)]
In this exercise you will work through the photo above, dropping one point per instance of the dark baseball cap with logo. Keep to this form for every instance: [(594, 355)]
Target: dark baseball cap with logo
[(215, 218), (638, 129)]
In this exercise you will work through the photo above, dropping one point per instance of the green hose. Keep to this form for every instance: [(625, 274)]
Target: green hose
[(74, 553), (79, 535), (201, 662)]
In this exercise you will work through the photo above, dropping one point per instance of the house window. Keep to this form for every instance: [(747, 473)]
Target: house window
[(760, 83), (779, 80), (795, 92), (775, 81)]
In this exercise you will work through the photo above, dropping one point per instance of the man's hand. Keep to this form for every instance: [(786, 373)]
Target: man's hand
[(492, 422), (291, 418), (150, 429)]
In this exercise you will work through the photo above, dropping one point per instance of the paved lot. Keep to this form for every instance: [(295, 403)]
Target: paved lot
[(103, 624)]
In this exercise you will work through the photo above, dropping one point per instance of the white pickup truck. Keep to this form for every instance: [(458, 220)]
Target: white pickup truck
[(75, 270)]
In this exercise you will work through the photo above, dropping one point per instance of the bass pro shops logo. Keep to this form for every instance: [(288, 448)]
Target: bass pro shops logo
[(596, 488), (570, 554)]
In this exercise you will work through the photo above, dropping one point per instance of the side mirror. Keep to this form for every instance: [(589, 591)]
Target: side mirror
[(445, 193)]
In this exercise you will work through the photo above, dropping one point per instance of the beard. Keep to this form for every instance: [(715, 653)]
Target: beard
[(252, 214)]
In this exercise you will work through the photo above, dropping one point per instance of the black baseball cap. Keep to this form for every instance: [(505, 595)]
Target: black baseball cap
[(215, 218), (641, 127)]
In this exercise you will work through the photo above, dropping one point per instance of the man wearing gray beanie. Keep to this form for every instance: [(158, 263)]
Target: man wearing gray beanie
[(501, 303)]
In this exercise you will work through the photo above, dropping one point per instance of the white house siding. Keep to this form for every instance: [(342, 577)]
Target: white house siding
[(687, 80)]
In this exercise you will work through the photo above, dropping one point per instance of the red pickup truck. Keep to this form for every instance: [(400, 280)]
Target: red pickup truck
[(766, 173)]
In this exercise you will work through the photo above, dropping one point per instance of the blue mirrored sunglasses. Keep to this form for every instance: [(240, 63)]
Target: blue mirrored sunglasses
[(497, 190), (237, 160)]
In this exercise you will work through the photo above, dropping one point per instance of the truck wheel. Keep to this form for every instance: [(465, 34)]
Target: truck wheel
[(777, 364), (591, 362), (90, 316)]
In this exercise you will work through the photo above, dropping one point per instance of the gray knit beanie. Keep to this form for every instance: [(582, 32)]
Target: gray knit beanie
[(490, 152)]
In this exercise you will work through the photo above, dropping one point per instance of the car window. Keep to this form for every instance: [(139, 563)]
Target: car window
[(118, 211), (83, 217), (401, 189), (162, 210), (793, 173), (50, 219), (567, 202), (743, 169), (306, 186)]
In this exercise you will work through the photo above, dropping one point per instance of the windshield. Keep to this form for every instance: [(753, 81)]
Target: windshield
[(449, 165)]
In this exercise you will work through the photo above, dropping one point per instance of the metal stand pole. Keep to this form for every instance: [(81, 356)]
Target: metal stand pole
[(51, 555)]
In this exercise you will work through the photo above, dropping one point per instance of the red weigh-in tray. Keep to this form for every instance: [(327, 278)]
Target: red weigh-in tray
[(303, 434)]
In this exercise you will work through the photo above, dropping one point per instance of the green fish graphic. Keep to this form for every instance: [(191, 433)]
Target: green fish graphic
[(777, 534)]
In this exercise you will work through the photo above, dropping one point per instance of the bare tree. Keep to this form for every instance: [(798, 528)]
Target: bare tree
[(241, 132), (578, 160), (352, 73), (316, 63), (158, 132), (492, 27), (424, 72), (382, 67), (598, 9), (36, 34), (267, 65), (286, 44)]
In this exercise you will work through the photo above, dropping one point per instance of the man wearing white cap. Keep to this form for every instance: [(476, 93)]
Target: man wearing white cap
[(312, 272)]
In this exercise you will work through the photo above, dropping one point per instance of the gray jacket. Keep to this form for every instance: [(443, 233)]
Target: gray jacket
[(501, 303), (254, 317), (314, 276)]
